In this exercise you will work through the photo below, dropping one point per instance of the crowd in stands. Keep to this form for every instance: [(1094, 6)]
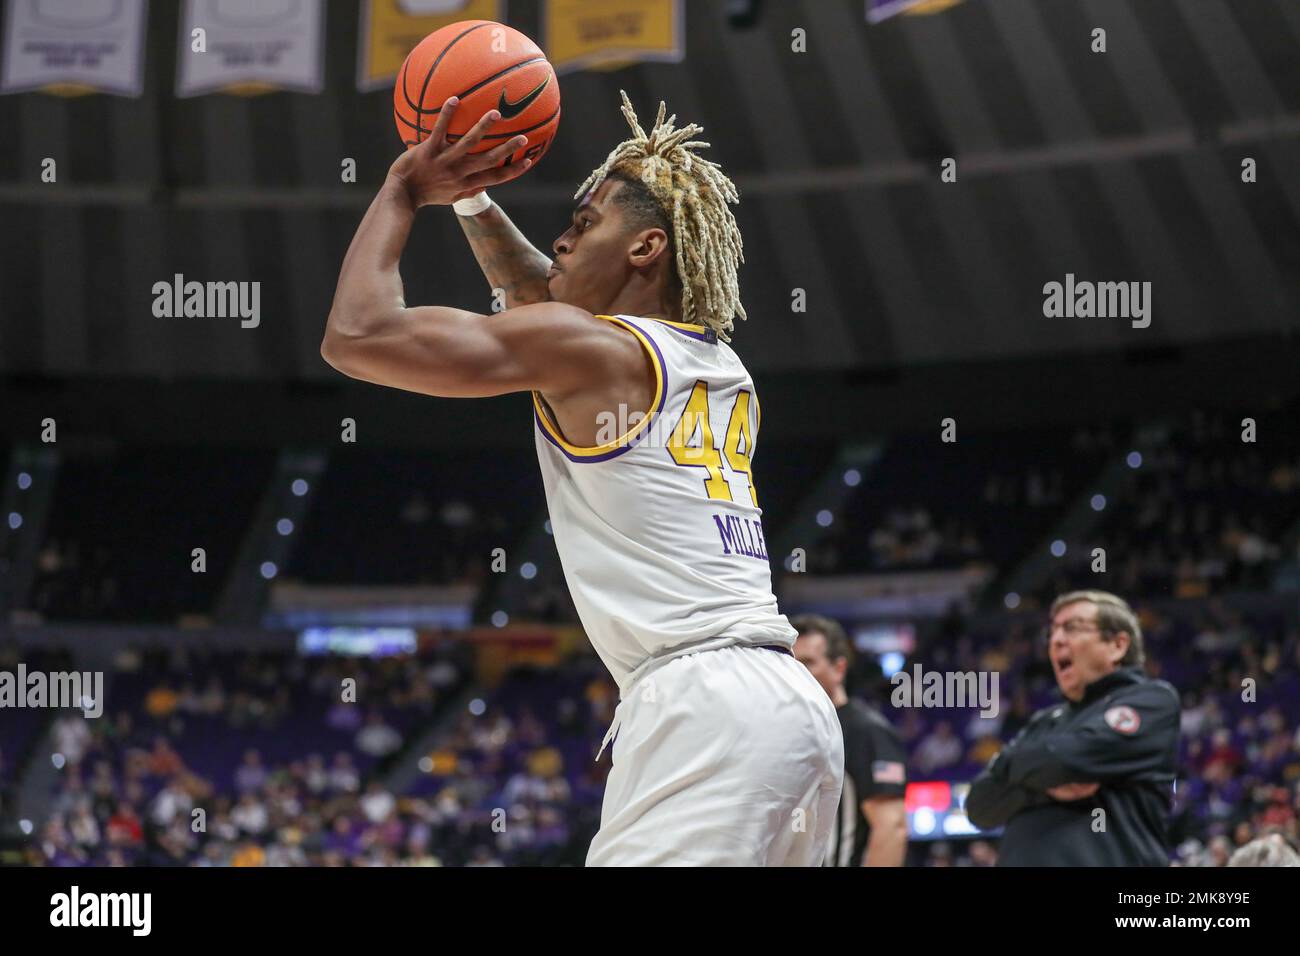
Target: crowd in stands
[(281, 756), (1204, 512), (287, 773), (985, 498), (521, 777)]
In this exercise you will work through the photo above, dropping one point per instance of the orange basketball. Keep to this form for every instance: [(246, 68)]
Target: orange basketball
[(487, 66)]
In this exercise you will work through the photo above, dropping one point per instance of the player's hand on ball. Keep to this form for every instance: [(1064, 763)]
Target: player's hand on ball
[(1073, 791), (437, 173)]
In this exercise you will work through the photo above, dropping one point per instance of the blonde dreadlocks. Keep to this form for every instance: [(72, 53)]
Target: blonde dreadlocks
[(694, 193)]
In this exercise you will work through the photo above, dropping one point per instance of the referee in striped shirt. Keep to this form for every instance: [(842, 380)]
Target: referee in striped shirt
[(871, 824)]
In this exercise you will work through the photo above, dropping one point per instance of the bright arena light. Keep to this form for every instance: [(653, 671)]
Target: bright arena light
[(1098, 502), (1058, 548), (477, 707), (824, 518), (284, 527), (923, 821), (1134, 459), (15, 520), (500, 618), (269, 569), (299, 487), (24, 481), (528, 570), (1012, 600), (853, 477)]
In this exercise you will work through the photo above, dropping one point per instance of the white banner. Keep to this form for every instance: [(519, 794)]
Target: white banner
[(251, 46), (74, 46)]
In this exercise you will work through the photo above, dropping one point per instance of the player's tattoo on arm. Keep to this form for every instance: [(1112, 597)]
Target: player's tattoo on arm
[(508, 260)]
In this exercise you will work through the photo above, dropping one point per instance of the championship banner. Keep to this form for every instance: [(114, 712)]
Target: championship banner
[(580, 34), (247, 47), (878, 10), (72, 47), (390, 29)]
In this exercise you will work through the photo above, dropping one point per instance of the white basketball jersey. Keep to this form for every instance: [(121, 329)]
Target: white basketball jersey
[(658, 527)]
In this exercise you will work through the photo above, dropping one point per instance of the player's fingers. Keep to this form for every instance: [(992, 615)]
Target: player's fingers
[(470, 139), (496, 156), (439, 132), (497, 176)]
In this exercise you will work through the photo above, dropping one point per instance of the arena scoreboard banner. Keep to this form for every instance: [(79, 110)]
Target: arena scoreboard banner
[(390, 29), (580, 35), (72, 47), (246, 47), (878, 10), (936, 810)]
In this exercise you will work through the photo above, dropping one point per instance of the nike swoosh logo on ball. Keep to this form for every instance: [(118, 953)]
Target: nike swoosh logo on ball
[(508, 109)]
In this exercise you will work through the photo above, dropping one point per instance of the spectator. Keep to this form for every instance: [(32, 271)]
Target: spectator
[(164, 761), (377, 738), (173, 802), (72, 737), (343, 777), (377, 803), (251, 775), (1270, 850), (161, 702), (124, 827), (250, 815)]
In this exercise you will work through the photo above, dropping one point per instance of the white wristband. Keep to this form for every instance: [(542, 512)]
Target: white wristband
[(473, 205)]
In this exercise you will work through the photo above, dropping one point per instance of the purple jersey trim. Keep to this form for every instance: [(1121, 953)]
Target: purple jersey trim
[(642, 431)]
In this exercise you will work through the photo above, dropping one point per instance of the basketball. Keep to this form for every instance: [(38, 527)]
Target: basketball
[(488, 66)]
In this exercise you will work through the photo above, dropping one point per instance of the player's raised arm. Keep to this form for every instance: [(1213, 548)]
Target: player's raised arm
[(372, 335), (432, 173), (550, 347), (508, 260)]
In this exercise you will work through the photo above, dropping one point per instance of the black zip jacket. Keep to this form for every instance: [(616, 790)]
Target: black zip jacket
[(1122, 735)]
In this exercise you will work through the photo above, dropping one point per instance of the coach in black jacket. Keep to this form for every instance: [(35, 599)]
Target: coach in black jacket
[(1087, 782)]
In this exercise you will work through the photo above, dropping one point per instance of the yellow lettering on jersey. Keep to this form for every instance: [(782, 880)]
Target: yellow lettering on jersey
[(705, 455), (738, 428)]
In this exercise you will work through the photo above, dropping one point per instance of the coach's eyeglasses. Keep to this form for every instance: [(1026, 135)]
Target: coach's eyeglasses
[(1072, 627)]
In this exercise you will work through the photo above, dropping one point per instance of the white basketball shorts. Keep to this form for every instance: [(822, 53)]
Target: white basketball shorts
[(727, 757)]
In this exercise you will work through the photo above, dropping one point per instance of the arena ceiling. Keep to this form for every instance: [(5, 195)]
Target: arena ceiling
[(1119, 166)]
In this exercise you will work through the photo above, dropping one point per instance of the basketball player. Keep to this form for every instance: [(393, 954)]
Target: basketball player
[(726, 750)]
